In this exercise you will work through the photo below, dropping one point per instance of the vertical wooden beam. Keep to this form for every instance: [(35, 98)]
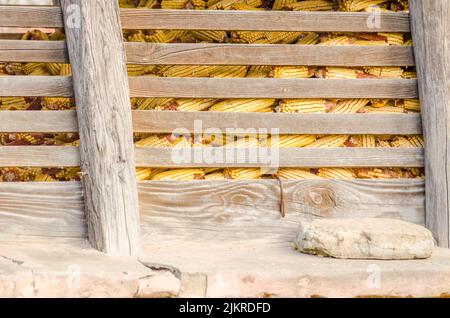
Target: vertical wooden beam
[(431, 34), (97, 56)]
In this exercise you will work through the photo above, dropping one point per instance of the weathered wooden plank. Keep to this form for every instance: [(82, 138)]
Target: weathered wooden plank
[(283, 157), (39, 156), (104, 117), (263, 20), (49, 210), (227, 213), (262, 54), (169, 121), (430, 26), (33, 51), (36, 86), (39, 121), (31, 16), (271, 88)]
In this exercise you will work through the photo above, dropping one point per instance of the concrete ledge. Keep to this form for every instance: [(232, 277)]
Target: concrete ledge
[(70, 270)]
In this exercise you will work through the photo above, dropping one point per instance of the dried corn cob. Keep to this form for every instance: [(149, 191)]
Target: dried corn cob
[(187, 71), (329, 141), (179, 175), (243, 173), (173, 4), (304, 106), (393, 38), (210, 36), (291, 72), (296, 174), (282, 37), (215, 176), (337, 73), (358, 5), (143, 173), (288, 141), (311, 5), (337, 173), (385, 72), (412, 105), (309, 38), (281, 4), (350, 105), (66, 70), (243, 105), (338, 40), (154, 141), (229, 71)]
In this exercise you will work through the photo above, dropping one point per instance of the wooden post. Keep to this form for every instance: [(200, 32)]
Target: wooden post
[(100, 80), (431, 35)]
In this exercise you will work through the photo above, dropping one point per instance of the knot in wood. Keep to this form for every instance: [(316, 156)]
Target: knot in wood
[(322, 198)]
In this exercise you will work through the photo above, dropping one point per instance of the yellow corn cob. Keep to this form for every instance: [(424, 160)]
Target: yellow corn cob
[(215, 176), (304, 106), (350, 105), (153, 141), (54, 68), (173, 4), (35, 35), (13, 101), (379, 102), (393, 38), (243, 105), (68, 174), (337, 73), (412, 105), (135, 70), (290, 72), (228, 4), (367, 141), (385, 72), (57, 103), (137, 37), (329, 141), (358, 5), (152, 103), (401, 142), (337, 173), (29, 68), (180, 175), (296, 174), (408, 42), (143, 173), (369, 42), (248, 36), (289, 141), (243, 173), (57, 35), (311, 5), (188, 71), (280, 4), (229, 71), (387, 109), (339, 40), (14, 68), (416, 141), (409, 75), (282, 37), (164, 36), (43, 178), (66, 70), (258, 72), (379, 173), (210, 36), (309, 38), (243, 142), (194, 104), (244, 6)]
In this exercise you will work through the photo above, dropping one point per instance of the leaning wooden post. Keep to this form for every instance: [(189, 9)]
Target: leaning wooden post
[(96, 51), (431, 35)]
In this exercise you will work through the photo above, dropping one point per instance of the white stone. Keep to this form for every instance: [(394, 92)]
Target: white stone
[(384, 239)]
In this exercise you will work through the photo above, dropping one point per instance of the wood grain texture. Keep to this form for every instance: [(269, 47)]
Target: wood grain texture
[(31, 16), (229, 213), (262, 20), (39, 156), (39, 121), (104, 117), (271, 88), (36, 86), (267, 54), (49, 210), (283, 157), (33, 51), (430, 26), (168, 121)]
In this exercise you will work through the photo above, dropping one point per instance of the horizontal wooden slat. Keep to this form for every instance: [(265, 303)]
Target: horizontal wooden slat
[(38, 121), (381, 124), (47, 210), (263, 20), (263, 54), (167, 122), (46, 16), (271, 88), (39, 156), (33, 51), (284, 157), (36, 86), (31, 16), (231, 213)]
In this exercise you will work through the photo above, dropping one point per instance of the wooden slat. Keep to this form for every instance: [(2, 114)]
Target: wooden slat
[(36, 86), (39, 156), (271, 88), (31, 16), (227, 213), (169, 121), (33, 51), (284, 157), (38, 121), (263, 54), (49, 210), (262, 20)]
